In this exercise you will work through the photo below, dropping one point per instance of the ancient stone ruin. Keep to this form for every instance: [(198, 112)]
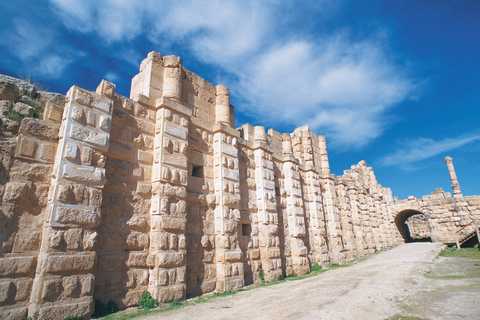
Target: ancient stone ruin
[(109, 196)]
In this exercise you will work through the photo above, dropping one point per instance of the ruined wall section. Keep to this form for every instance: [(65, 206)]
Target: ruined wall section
[(122, 272), (449, 218), (25, 177)]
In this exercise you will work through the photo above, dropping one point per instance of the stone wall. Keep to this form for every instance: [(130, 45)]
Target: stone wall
[(109, 196)]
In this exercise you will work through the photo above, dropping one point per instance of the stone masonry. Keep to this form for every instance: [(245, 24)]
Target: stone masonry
[(109, 196)]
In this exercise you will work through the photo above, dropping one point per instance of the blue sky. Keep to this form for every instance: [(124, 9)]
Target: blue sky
[(395, 83)]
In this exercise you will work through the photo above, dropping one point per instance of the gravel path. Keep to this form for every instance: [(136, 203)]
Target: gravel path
[(379, 287)]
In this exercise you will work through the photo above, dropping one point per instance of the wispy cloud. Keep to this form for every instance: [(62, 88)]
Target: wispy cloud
[(341, 87), (413, 151)]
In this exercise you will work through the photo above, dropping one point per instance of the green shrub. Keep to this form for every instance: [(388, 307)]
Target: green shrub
[(73, 318), (261, 274), (175, 303), (315, 267), (146, 301)]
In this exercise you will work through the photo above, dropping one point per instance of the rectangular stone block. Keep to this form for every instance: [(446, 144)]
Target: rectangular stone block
[(233, 255), (74, 215), (173, 223), (170, 293), (17, 265), (142, 125), (145, 157), (170, 259), (137, 259), (61, 311), (28, 147), (176, 132), (83, 134), (110, 261), (87, 174), (70, 263)]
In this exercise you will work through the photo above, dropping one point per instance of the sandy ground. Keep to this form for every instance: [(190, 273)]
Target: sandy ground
[(406, 280)]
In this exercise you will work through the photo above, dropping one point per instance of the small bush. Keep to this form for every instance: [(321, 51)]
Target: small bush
[(223, 294), (146, 301), (74, 318), (261, 274), (315, 267), (281, 277), (175, 303)]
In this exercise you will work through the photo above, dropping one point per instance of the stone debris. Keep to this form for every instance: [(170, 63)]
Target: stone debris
[(109, 196)]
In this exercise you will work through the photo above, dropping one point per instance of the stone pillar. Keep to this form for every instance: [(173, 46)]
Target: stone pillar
[(296, 217), (267, 207), (228, 254), (65, 269), (172, 79), (453, 178), (324, 165), (222, 106), (167, 252)]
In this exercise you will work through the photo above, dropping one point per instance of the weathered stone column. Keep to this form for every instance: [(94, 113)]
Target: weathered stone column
[(267, 207), (172, 80), (453, 178), (64, 278), (167, 251), (228, 254)]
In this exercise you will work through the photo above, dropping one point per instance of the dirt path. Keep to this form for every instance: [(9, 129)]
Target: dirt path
[(401, 281)]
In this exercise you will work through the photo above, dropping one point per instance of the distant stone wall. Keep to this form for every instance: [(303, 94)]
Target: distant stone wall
[(109, 196)]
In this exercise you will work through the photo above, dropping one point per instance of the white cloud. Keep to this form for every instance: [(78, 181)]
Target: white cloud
[(339, 91), (340, 87), (423, 148)]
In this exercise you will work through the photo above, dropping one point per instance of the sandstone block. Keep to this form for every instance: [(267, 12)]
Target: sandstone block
[(120, 151), (74, 215), (52, 289), (61, 311), (100, 140), (6, 289), (172, 223), (166, 294), (70, 263), (132, 297), (137, 241), (13, 314), (17, 265), (110, 262), (8, 125), (85, 174), (23, 287), (39, 129), (28, 147), (170, 259), (137, 259)]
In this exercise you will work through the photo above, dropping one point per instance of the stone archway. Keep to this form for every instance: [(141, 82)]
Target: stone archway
[(401, 212), (401, 223)]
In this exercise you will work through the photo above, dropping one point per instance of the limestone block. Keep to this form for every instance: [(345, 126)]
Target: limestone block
[(74, 215), (17, 265), (13, 314), (23, 109), (173, 223), (172, 292), (6, 289), (28, 147), (84, 174), (100, 140), (52, 289), (47, 152), (27, 240), (137, 241), (137, 259), (170, 259), (70, 263), (145, 157), (132, 297), (16, 191), (142, 125), (62, 311), (23, 288)]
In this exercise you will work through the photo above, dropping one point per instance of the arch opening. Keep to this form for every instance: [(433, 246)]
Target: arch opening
[(413, 226)]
